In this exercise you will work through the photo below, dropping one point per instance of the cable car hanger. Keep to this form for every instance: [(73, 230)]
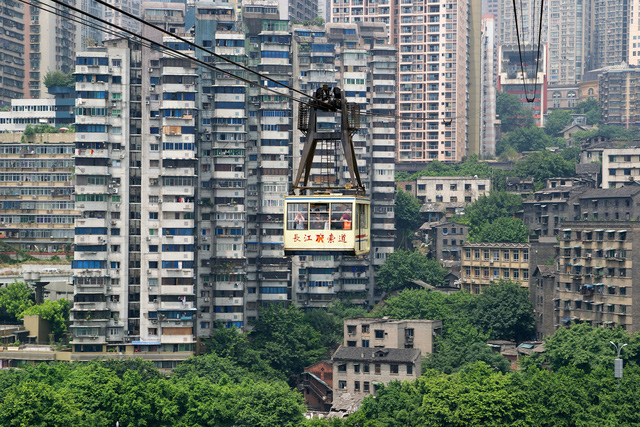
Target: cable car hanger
[(328, 100)]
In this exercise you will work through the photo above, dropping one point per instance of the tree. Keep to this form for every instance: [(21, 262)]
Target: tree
[(330, 321), (403, 266), (285, 340), (530, 138), (54, 312), (543, 165), (556, 121), (461, 345), (591, 110), (505, 312), (489, 208), (408, 219), (57, 78), (504, 229), (588, 348), (425, 304), (511, 113), (15, 298)]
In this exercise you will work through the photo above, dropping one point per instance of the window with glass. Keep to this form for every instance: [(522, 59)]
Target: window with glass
[(298, 216), (341, 216), (319, 216)]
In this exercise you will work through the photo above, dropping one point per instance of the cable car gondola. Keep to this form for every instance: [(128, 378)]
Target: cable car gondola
[(332, 219)]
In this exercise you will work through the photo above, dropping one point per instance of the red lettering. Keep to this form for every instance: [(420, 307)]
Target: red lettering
[(319, 238)]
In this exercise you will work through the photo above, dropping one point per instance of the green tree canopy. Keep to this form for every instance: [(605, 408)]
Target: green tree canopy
[(503, 229), (530, 138), (57, 78), (486, 209), (588, 348), (511, 113), (408, 217), (556, 121), (591, 109), (470, 167), (543, 165), (505, 312), (286, 341), (403, 266), (55, 312), (15, 298)]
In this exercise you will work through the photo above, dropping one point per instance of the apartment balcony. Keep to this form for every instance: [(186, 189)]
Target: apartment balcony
[(92, 170), (90, 306), (178, 191), (177, 207)]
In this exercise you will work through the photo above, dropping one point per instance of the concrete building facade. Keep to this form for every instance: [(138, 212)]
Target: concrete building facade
[(390, 333), (620, 166), (36, 189), (618, 87), (484, 263)]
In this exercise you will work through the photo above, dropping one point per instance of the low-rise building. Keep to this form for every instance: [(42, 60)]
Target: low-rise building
[(316, 386), (484, 263), (369, 332), (620, 166), (541, 291), (358, 372), (606, 204), (596, 279), (446, 240), (521, 186), (543, 211)]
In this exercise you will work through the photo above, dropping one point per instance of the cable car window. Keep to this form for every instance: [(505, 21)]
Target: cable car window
[(298, 216), (319, 216), (362, 216), (341, 216)]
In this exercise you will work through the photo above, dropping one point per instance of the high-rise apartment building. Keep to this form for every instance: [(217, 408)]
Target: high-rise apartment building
[(299, 10), (132, 6), (135, 188), (530, 85), (488, 76), (433, 72), (633, 40), (353, 57), (610, 24), (12, 52), (617, 92)]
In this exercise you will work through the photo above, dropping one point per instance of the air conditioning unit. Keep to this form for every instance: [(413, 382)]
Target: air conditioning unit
[(113, 223), (155, 301), (491, 262), (151, 70), (148, 102), (148, 239), (207, 299), (205, 238)]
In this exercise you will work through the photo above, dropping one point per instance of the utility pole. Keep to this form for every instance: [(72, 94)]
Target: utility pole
[(617, 367)]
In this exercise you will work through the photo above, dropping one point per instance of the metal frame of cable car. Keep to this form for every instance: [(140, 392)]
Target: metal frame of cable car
[(333, 219)]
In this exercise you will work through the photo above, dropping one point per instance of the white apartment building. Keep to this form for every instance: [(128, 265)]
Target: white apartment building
[(488, 80), (134, 263), (433, 82), (451, 189), (620, 166)]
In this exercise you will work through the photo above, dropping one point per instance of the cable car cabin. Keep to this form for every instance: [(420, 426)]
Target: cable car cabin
[(327, 224)]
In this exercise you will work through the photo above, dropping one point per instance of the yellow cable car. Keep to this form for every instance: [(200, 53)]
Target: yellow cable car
[(330, 223), (327, 221)]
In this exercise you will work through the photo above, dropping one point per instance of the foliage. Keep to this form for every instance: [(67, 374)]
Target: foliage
[(591, 109), (556, 121), (15, 298), (403, 266), (329, 322), (511, 113), (100, 393), (55, 312), (470, 167), (232, 344), (543, 165), (407, 213), (530, 138), (462, 345), (505, 312), (489, 208), (480, 395), (57, 78), (285, 341), (588, 348), (502, 229)]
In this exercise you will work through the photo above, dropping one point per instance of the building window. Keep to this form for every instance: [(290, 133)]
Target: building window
[(379, 334), (365, 368), (365, 329), (356, 386), (394, 369), (342, 385), (409, 369), (438, 187), (365, 343), (342, 368), (351, 343), (378, 369), (366, 387)]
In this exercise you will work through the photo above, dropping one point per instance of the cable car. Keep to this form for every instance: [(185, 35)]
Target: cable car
[(330, 223), (327, 221)]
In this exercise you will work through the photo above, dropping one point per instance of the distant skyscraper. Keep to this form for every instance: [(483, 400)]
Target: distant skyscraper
[(433, 76), (610, 25), (488, 81)]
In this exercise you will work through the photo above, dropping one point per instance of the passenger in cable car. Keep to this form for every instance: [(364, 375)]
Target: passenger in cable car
[(346, 219), (299, 220)]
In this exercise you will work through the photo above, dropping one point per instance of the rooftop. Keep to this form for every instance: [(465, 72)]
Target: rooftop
[(400, 355)]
